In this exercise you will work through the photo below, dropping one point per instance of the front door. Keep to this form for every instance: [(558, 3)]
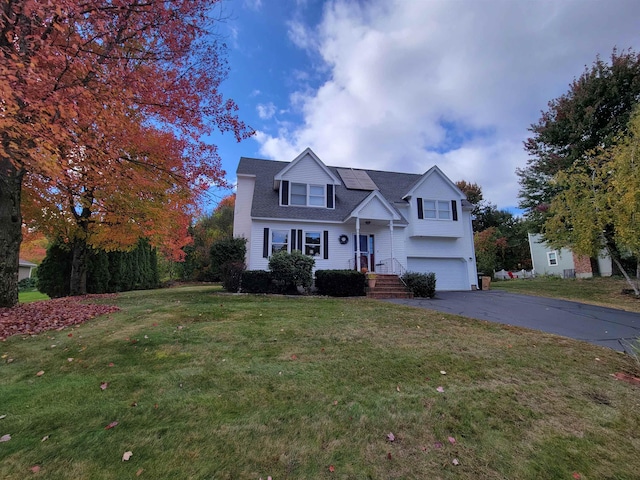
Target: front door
[(367, 250)]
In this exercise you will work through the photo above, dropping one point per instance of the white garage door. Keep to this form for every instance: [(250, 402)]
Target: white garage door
[(451, 273)]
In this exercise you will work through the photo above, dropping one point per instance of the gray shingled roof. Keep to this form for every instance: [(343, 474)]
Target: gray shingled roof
[(266, 204)]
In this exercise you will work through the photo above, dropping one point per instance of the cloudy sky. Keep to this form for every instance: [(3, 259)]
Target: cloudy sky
[(402, 85)]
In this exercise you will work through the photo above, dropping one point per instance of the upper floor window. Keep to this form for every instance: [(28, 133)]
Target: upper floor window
[(437, 209), (307, 195), (552, 258)]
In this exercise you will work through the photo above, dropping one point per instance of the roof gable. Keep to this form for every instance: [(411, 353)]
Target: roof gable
[(376, 207), (310, 164), (428, 177)]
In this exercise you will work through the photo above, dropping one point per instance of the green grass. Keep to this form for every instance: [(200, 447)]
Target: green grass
[(605, 291), (34, 296), (209, 385)]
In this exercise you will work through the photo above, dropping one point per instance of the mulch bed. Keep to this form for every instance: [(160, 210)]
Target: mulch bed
[(56, 314)]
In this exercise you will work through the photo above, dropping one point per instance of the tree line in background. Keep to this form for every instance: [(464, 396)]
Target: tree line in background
[(500, 238)]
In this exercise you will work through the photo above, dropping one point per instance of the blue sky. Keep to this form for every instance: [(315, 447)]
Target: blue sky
[(402, 85)]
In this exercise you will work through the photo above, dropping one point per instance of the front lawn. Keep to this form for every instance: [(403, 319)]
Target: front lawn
[(605, 291), (210, 385)]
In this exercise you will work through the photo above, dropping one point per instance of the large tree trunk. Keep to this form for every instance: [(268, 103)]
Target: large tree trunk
[(79, 265), (10, 231)]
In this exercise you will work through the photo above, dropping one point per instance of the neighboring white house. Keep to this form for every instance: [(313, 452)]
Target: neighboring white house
[(564, 263), (24, 269), (345, 218)]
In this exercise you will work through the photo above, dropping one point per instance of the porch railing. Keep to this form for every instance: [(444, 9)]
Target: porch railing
[(383, 266)]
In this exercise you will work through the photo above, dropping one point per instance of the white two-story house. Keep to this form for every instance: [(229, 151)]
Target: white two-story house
[(386, 222)]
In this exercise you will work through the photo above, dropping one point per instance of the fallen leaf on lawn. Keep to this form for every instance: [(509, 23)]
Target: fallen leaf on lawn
[(70, 359), (442, 372), (5, 438), (40, 373), (332, 468), (335, 402), (437, 445), (35, 468), (134, 404), (5, 355), (2, 416), (440, 389), (389, 456), (455, 461), (104, 385), (391, 437), (576, 475), (111, 425), (294, 357), (111, 364), (398, 388), (139, 472), (126, 456), (155, 406), (45, 438), (597, 359), (70, 335), (452, 440)]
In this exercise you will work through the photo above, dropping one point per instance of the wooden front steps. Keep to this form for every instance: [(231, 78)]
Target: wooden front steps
[(388, 286)]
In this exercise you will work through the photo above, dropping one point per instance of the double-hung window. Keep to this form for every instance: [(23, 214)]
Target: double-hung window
[(437, 209), (312, 245), (307, 195), (279, 241), (552, 258)]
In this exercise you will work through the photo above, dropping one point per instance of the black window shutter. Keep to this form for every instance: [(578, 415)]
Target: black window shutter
[(329, 196), (420, 211), (454, 210), (284, 192), (293, 239), (265, 243), (326, 244), (300, 240)]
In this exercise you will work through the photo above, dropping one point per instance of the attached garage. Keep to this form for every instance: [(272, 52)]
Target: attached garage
[(451, 273)]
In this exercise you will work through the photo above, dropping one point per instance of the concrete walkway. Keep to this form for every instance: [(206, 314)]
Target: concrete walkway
[(599, 325)]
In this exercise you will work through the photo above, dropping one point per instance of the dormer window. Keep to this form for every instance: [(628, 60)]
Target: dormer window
[(306, 195), (437, 209)]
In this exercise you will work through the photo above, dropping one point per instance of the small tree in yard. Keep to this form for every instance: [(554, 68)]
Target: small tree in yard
[(291, 270), (229, 250)]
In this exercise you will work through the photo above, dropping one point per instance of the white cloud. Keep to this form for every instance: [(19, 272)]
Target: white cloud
[(266, 110), (456, 83)]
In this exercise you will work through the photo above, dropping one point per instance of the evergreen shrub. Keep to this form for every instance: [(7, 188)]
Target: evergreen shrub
[(421, 284), (256, 281), (340, 283)]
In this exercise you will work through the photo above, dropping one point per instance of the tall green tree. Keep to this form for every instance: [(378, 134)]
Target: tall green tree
[(598, 207), (594, 113)]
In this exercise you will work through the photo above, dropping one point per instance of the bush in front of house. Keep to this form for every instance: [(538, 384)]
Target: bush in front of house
[(256, 281), (421, 284), (340, 283), (291, 270), (231, 275)]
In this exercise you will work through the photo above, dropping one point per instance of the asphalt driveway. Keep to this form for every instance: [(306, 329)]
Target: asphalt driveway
[(603, 326)]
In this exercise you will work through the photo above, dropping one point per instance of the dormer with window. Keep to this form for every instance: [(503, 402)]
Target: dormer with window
[(435, 206), (306, 182)]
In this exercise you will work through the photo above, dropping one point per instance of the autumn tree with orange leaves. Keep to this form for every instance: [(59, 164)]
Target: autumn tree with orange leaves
[(103, 105)]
